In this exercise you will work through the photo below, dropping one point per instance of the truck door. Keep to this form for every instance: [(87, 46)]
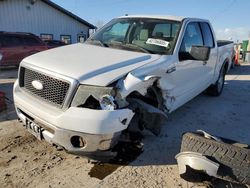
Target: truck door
[(209, 41), (188, 77)]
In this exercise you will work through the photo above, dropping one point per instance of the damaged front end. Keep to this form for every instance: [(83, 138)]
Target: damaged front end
[(139, 99)]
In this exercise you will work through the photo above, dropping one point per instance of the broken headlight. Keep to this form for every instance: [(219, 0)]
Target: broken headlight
[(107, 102), (96, 97)]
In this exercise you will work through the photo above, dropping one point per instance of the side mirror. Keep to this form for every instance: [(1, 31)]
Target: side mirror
[(199, 53)]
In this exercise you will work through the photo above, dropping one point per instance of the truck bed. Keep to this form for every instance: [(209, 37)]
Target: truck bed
[(223, 42)]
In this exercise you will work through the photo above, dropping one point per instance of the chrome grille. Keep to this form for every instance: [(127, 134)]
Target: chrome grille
[(54, 90)]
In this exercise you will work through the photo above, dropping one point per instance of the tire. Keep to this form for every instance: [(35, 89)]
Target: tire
[(217, 88), (233, 63), (234, 161)]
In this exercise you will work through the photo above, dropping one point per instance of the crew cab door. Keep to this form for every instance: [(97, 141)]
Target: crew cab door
[(188, 77)]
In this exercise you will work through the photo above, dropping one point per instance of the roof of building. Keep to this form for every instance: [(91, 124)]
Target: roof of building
[(165, 17), (70, 14)]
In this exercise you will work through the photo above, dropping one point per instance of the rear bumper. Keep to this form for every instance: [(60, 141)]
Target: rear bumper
[(99, 129)]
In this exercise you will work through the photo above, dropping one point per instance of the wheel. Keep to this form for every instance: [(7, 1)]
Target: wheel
[(233, 63), (234, 161), (217, 88)]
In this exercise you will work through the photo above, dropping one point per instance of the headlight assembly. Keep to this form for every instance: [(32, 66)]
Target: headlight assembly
[(96, 97), (107, 102), (1, 56)]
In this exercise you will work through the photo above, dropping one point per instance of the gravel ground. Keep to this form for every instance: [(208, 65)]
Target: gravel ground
[(27, 162)]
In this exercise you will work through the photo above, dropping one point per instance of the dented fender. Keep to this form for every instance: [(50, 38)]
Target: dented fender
[(132, 83)]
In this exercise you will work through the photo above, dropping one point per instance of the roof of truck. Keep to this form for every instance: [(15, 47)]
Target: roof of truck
[(165, 17)]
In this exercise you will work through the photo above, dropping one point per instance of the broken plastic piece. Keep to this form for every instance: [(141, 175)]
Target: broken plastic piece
[(209, 136), (196, 161)]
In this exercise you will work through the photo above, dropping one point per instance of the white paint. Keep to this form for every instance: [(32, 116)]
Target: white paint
[(92, 65), (37, 84), (164, 17), (100, 66)]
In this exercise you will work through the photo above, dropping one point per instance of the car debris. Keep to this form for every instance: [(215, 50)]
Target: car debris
[(215, 156), (196, 161)]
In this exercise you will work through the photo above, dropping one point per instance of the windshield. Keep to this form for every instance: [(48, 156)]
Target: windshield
[(138, 34)]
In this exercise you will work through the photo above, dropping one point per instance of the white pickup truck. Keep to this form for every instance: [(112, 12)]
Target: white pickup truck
[(127, 77)]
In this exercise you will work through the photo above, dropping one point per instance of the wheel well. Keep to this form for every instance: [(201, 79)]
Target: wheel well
[(226, 65), (152, 97)]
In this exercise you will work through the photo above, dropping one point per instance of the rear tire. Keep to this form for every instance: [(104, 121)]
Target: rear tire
[(234, 161), (217, 88)]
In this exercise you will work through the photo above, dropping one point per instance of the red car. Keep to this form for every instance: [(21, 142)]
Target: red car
[(16, 46), (54, 43)]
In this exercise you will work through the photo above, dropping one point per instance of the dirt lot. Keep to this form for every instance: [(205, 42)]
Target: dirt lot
[(27, 162)]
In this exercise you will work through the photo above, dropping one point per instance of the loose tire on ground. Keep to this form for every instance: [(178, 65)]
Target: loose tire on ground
[(234, 161)]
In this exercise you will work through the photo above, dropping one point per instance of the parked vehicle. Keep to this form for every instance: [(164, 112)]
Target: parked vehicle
[(16, 46), (54, 43), (127, 77)]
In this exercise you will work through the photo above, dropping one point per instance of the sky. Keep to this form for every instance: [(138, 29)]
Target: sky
[(230, 18)]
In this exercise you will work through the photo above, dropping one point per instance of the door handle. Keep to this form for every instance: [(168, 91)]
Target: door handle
[(172, 69), (204, 62)]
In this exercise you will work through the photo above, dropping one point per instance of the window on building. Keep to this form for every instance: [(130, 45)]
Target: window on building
[(81, 38), (66, 39), (44, 36)]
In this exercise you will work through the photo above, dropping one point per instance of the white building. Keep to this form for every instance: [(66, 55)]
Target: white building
[(43, 18)]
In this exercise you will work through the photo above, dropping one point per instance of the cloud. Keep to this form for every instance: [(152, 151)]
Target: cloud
[(234, 34)]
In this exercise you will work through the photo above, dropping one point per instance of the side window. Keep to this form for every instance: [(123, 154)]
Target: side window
[(192, 37), (12, 41), (207, 35), (66, 39), (29, 41)]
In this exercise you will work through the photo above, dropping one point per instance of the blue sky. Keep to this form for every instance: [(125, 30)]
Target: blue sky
[(230, 18)]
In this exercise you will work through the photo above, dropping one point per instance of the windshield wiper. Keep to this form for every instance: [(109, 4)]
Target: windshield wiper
[(133, 46), (99, 42)]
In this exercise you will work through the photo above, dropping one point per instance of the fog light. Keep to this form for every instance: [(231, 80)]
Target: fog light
[(105, 144), (78, 141)]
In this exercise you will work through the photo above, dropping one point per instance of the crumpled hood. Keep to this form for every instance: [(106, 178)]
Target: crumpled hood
[(89, 64)]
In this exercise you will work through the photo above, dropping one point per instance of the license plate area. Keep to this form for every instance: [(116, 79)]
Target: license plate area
[(34, 129)]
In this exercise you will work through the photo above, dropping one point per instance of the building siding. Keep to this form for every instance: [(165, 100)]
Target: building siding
[(39, 18)]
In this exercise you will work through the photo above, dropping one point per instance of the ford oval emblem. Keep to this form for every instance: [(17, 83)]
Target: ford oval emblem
[(37, 84)]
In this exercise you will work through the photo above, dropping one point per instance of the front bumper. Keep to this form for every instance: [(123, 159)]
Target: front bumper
[(100, 129)]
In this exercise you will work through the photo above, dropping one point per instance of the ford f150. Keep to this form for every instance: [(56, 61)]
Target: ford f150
[(127, 77)]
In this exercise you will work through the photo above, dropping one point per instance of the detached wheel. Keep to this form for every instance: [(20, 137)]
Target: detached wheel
[(217, 88), (234, 161)]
